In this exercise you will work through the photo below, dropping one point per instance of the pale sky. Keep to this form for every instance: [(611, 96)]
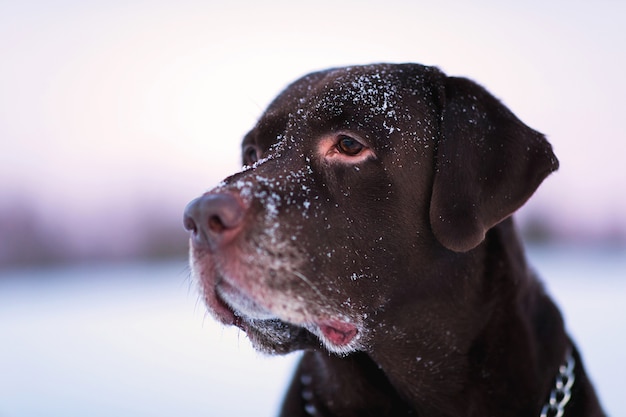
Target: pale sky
[(106, 106)]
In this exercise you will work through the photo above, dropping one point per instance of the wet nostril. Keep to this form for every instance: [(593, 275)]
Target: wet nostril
[(190, 224), (216, 225)]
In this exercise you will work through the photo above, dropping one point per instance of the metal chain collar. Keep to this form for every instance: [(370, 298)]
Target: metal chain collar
[(555, 407), (562, 391), (308, 396)]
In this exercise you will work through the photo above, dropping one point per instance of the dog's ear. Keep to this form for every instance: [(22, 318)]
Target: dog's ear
[(488, 163)]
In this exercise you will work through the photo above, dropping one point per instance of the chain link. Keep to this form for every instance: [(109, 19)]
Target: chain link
[(562, 391)]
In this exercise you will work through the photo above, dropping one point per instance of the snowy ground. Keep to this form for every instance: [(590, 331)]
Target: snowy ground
[(135, 341)]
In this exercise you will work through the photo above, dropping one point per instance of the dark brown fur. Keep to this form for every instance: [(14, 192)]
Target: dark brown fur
[(398, 270)]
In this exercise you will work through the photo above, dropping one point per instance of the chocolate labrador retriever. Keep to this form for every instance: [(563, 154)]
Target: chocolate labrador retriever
[(370, 227)]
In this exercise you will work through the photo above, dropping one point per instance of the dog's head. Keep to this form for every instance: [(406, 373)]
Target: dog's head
[(357, 183)]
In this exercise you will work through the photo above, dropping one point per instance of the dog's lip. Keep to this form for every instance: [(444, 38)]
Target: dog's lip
[(221, 310), (339, 333), (226, 314), (241, 304), (236, 307)]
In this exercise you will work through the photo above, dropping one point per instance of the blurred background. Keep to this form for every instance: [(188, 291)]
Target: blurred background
[(114, 114)]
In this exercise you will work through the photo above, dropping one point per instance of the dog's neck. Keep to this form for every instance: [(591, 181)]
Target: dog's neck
[(467, 370), (381, 398), (346, 386), (508, 364), (508, 338)]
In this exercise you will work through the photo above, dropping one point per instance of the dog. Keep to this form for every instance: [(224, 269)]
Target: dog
[(371, 227)]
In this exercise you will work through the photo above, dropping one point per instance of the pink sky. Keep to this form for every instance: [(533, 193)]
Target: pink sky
[(108, 106)]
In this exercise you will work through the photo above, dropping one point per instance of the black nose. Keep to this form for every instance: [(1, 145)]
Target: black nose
[(214, 219)]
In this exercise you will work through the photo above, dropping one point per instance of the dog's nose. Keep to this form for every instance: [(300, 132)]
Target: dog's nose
[(214, 219)]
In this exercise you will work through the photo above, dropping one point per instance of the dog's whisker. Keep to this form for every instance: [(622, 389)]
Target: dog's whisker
[(309, 283)]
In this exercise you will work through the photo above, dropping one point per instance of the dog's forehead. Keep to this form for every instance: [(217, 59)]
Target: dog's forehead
[(351, 97), (371, 93), (371, 89)]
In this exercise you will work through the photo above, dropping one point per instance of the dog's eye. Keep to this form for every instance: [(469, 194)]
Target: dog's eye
[(250, 155), (349, 146), (342, 148)]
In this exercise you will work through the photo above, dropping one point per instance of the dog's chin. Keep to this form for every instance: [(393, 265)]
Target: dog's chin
[(268, 333), (275, 336), (272, 334)]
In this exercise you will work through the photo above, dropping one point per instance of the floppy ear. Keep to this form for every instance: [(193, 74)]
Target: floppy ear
[(488, 164)]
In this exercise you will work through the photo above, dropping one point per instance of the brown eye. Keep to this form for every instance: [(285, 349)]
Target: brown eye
[(250, 155), (349, 146)]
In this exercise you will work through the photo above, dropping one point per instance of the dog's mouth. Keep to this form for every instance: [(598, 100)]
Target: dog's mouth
[(274, 333), (339, 333), (241, 305)]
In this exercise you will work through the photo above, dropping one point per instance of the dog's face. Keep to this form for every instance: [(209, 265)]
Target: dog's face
[(343, 209)]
